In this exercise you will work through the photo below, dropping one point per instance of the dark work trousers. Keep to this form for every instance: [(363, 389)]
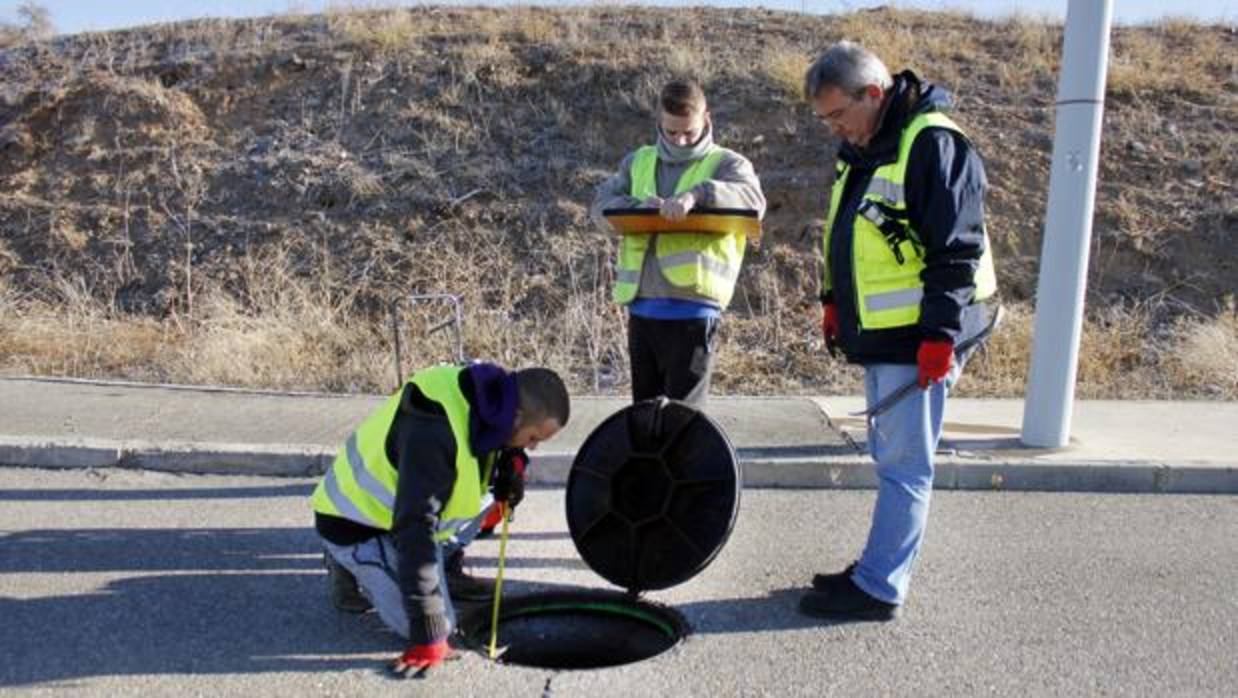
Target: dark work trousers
[(672, 358)]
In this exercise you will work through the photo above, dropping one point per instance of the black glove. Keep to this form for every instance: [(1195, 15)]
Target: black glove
[(509, 476)]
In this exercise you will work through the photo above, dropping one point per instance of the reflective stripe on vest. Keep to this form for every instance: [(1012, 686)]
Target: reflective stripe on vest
[(886, 265), (717, 267), (360, 485), (704, 264), (342, 505)]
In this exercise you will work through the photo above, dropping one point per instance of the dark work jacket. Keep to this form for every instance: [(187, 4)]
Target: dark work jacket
[(420, 429), (945, 187)]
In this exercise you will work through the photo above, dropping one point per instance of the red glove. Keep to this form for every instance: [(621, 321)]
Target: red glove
[(829, 327), (934, 358), (418, 658), (509, 476)]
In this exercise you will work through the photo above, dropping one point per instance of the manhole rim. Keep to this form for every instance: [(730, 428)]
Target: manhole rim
[(474, 630)]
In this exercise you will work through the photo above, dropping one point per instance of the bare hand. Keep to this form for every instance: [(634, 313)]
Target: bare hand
[(677, 208)]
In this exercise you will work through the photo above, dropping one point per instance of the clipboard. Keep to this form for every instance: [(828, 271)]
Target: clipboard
[(704, 220)]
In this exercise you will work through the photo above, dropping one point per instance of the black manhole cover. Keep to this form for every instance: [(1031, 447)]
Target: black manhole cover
[(652, 495), (578, 630), (651, 499)]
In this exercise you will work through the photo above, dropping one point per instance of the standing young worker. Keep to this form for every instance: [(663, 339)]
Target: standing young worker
[(676, 285), (907, 270), (408, 491)]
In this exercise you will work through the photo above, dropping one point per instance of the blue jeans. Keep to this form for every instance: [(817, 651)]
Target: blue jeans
[(902, 442), (376, 565)]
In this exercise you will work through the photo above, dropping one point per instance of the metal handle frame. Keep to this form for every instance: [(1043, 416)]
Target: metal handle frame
[(455, 321)]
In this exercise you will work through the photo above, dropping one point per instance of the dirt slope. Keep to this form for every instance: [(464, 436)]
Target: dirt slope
[(162, 173)]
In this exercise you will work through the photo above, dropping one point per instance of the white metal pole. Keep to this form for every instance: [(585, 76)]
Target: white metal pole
[(1062, 283)]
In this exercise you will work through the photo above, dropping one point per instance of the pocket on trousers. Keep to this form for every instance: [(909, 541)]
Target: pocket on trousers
[(711, 334), (700, 361)]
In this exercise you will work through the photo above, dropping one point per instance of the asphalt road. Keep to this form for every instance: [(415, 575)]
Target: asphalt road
[(138, 583)]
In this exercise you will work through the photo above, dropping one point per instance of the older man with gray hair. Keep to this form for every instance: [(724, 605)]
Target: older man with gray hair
[(907, 270)]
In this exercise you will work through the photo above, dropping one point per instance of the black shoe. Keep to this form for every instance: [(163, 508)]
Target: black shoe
[(342, 588), (464, 586), (846, 601), (826, 582)]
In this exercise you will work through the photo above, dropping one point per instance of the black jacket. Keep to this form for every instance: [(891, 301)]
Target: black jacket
[(945, 186), (420, 429)]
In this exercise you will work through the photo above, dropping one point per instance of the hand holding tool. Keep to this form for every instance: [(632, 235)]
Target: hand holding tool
[(933, 360), (962, 352), (509, 476)]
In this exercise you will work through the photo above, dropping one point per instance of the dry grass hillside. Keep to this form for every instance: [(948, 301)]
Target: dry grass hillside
[(247, 202)]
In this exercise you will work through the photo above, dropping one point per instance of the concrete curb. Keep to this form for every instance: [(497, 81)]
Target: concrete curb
[(208, 458), (803, 470)]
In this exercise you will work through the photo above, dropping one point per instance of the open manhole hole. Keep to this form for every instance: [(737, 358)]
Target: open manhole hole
[(579, 630), (652, 497)]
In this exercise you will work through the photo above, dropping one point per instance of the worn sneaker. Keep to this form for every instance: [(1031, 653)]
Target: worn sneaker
[(342, 588), (825, 582), (846, 601), (464, 586)]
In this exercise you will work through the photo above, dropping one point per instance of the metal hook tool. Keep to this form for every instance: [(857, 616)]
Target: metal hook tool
[(961, 353)]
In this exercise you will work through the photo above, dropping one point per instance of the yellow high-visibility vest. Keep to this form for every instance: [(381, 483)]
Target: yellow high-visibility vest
[(705, 264), (886, 267), (361, 484)]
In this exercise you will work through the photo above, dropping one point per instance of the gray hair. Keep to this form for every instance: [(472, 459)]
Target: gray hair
[(847, 66)]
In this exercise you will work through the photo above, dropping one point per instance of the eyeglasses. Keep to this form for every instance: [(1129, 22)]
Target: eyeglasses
[(833, 117)]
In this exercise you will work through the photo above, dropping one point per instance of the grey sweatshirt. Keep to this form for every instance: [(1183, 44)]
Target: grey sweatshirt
[(733, 185)]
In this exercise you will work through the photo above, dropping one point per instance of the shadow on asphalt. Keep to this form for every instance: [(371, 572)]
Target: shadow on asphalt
[(159, 549), (777, 610), (39, 495), (222, 601)]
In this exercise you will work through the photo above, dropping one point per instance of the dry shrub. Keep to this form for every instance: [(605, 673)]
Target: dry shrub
[(466, 163), (78, 336), (1177, 56), (36, 25), (1114, 360), (691, 59), (1036, 43), (111, 111), (63, 229), (386, 31), (590, 326), (1118, 357), (785, 66), (747, 366), (9, 35), (887, 33), (533, 24), (1202, 358), (283, 329), (295, 343), (1000, 367)]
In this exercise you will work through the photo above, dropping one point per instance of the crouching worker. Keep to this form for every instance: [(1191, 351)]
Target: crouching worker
[(410, 488)]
